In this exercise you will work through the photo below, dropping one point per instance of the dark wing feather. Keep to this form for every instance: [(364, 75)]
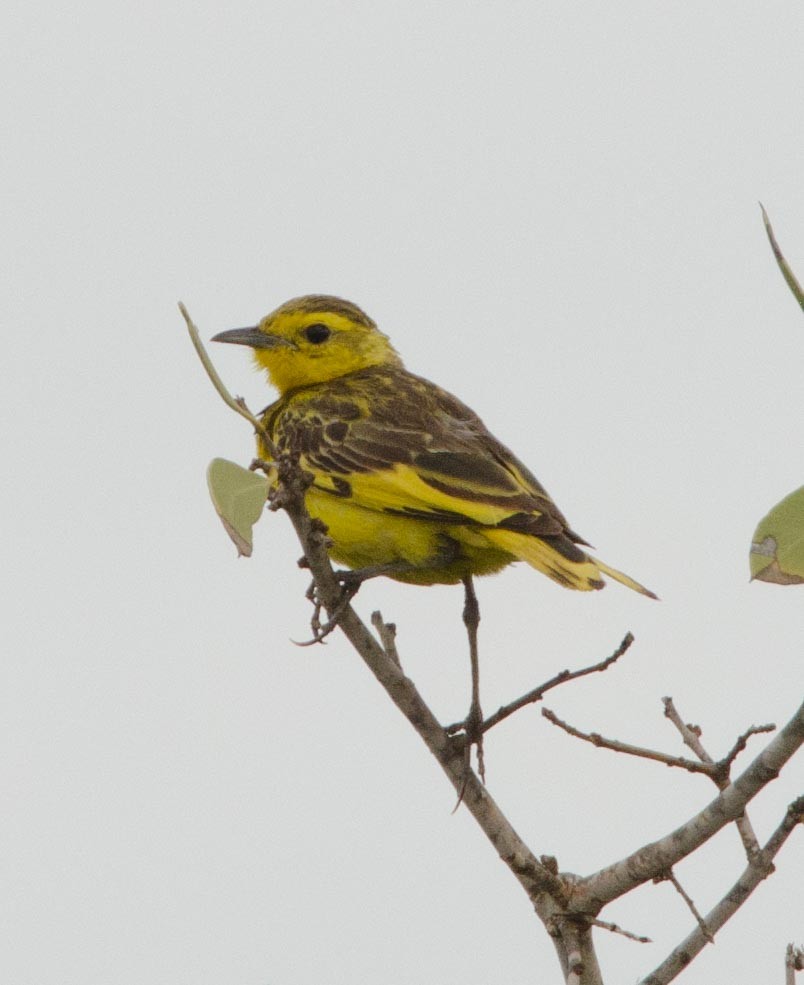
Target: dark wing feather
[(381, 418)]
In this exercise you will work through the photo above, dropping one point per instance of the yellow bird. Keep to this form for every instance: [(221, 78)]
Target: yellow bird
[(408, 480)]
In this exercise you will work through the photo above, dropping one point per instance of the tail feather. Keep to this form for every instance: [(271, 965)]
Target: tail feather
[(623, 579), (572, 569)]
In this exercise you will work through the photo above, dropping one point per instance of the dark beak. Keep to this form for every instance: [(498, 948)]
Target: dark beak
[(253, 337)]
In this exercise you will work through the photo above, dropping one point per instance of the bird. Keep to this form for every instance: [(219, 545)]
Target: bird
[(408, 480)]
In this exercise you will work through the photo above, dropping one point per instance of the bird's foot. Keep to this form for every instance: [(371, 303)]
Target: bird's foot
[(472, 729), (350, 581), (321, 630)]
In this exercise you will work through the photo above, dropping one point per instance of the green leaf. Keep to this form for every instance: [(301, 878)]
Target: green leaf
[(777, 551), (239, 497)]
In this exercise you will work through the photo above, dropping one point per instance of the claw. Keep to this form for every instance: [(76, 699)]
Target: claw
[(322, 630)]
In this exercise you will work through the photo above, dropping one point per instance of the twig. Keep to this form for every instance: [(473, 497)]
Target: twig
[(741, 743), (692, 737), (562, 677), (613, 928), (237, 404), (784, 266), (758, 868), (690, 734), (671, 878), (793, 962), (387, 633), (616, 746)]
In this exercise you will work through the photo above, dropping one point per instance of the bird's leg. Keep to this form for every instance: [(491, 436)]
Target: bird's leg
[(474, 720)]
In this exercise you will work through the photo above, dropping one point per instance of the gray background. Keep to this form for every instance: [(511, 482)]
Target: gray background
[(552, 210)]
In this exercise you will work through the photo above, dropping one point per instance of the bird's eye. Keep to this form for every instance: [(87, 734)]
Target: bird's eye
[(317, 333)]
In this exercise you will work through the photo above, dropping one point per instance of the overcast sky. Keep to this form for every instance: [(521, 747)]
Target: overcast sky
[(552, 210)]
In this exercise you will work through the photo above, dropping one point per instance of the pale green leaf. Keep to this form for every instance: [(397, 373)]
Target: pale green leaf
[(238, 496), (777, 551)]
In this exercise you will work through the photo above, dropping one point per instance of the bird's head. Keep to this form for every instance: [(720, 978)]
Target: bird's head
[(313, 339)]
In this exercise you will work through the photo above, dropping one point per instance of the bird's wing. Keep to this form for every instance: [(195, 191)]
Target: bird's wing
[(396, 443)]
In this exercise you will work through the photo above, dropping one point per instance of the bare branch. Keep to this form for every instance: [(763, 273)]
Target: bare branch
[(560, 678), (546, 889), (237, 404), (758, 868), (616, 746), (613, 928), (387, 633), (659, 856), (576, 968), (784, 266), (741, 743), (671, 878), (793, 962), (691, 736), (581, 964)]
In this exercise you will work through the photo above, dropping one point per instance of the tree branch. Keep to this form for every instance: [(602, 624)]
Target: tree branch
[(659, 856), (691, 737), (758, 868), (784, 266), (236, 403), (582, 966), (387, 633), (562, 677), (671, 878), (546, 889), (742, 741), (793, 962), (613, 928), (616, 746), (690, 734)]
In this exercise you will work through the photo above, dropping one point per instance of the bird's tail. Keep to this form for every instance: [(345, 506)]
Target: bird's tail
[(623, 578), (562, 560)]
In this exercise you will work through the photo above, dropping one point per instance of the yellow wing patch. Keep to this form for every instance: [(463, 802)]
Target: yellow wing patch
[(402, 490)]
